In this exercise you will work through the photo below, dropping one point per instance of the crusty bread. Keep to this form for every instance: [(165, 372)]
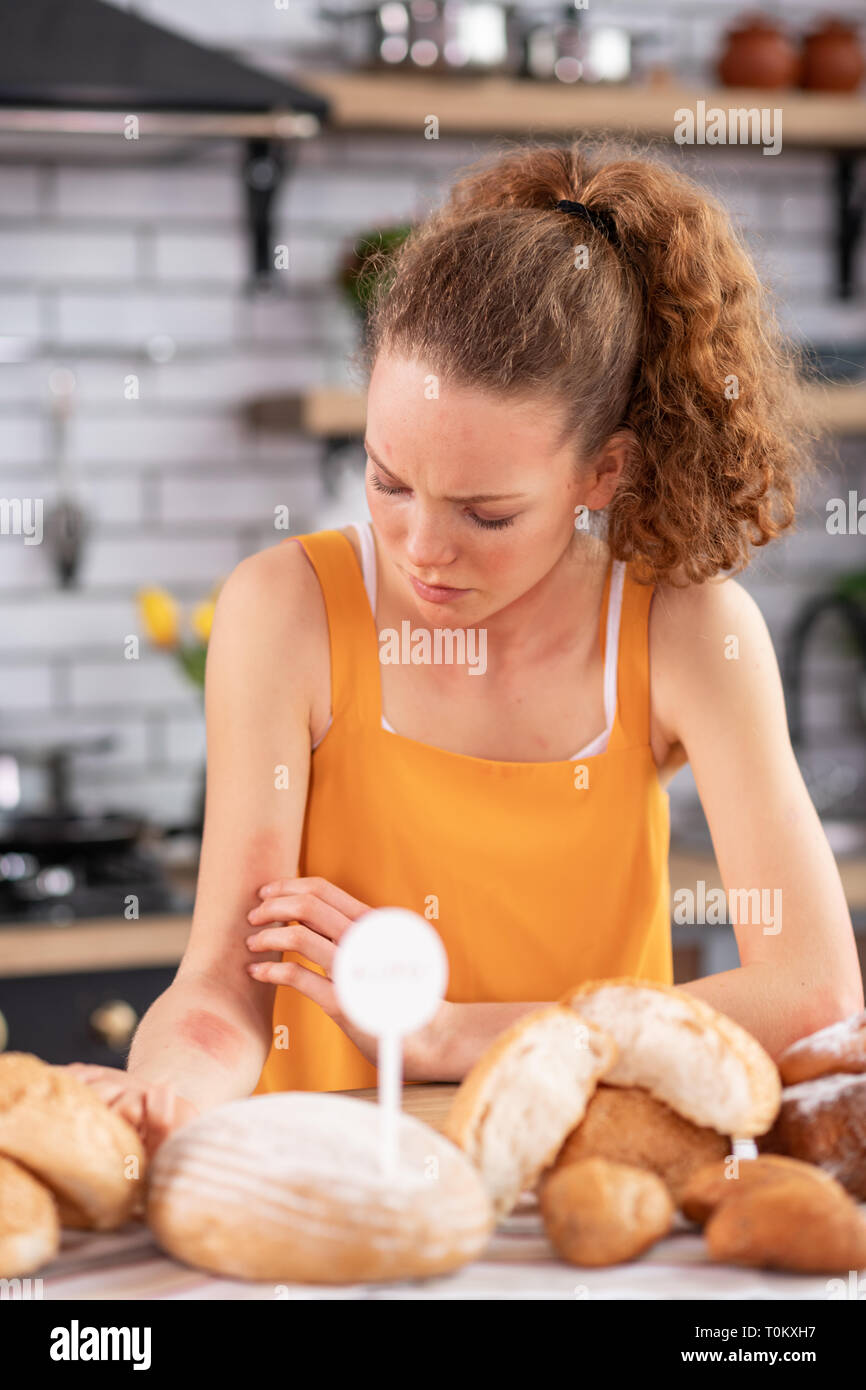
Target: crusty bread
[(601, 1213), (685, 1053), (798, 1224), (523, 1095), (823, 1121), (29, 1224), (55, 1125), (625, 1124), (717, 1181), (841, 1047), (289, 1187)]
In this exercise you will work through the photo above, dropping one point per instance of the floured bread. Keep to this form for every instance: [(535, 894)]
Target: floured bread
[(289, 1187), (840, 1047), (524, 1094), (625, 1124), (823, 1121), (29, 1225), (56, 1126), (697, 1060)]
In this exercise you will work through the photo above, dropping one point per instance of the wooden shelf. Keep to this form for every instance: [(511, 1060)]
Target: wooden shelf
[(403, 101), (334, 412)]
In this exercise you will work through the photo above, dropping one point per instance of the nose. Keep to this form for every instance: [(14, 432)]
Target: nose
[(429, 548)]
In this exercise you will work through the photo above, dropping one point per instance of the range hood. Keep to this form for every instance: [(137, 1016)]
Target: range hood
[(86, 55), (84, 81)]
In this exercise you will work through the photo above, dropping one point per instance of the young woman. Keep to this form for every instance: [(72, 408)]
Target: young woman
[(580, 414)]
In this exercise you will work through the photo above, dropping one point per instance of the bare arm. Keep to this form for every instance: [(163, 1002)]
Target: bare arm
[(208, 1034), (800, 968)]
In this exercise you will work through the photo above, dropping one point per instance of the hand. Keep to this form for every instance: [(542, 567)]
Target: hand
[(153, 1109), (310, 915)]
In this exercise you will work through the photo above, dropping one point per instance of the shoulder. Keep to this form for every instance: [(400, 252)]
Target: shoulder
[(699, 637), (270, 616)]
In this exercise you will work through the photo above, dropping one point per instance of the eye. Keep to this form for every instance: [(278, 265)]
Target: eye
[(486, 523), (380, 487)]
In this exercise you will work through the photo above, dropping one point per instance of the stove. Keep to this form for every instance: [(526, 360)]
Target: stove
[(125, 882)]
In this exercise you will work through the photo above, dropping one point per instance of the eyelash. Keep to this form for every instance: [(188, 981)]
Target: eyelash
[(486, 523)]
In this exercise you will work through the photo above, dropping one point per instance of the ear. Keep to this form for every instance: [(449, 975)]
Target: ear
[(614, 460)]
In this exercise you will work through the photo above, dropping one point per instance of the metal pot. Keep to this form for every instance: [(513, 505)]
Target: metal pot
[(431, 35)]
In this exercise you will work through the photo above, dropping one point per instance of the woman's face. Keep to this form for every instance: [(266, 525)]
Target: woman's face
[(471, 501)]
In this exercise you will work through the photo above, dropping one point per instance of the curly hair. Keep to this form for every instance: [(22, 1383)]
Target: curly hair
[(670, 335)]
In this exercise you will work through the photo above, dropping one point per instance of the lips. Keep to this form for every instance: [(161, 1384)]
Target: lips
[(435, 593)]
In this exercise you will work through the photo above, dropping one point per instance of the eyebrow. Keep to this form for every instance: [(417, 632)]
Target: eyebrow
[(476, 497)]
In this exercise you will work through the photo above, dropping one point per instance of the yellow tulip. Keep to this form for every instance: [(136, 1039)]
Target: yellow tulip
[(159, 613), (202, 619)]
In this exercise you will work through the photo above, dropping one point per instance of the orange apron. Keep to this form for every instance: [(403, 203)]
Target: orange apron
[(534, 883)]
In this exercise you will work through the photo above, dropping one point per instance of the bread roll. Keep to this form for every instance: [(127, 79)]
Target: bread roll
[(29, 1225), (625, 1124), (56, 1126), (795, 1224), (841, 1047), (601, 1213), (685, 1053), (289, 1187), (524, 1094), (824, 1122), (715, 1182)]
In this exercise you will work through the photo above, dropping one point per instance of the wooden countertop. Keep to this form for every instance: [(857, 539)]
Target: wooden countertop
[(112, 943)]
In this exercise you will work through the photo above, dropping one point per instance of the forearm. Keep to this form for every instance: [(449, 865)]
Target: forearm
[(469, 1029), (202, 1040), (775, 1007)]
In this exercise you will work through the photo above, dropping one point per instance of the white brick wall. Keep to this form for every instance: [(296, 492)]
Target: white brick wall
[(95, 260)]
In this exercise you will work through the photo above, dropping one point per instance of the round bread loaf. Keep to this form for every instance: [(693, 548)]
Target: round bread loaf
[(56, 1126), (795, 1224), (625, 1124), (29, 1224), (841, 1047), (685, 1053), (716, 1182), (524, 1094), (601, 1213), (824, 1121), (290, 1187)]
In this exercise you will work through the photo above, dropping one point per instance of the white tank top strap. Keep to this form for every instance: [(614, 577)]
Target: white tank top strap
[(364, 530)]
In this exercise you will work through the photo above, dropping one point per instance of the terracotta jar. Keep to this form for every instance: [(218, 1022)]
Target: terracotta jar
[(759, 54), (833, 59)]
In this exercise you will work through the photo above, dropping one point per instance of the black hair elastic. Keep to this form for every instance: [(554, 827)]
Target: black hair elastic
[(601, 221)]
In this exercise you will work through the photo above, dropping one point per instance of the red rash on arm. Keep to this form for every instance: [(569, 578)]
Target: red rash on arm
[(210, 1033)]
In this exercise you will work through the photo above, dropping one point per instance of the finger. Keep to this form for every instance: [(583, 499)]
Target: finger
[(160, 1116), (86, 1070), (313, 912), (107, 1090), (295, 937), (130, 1106), (322, 888), (307, 982)]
